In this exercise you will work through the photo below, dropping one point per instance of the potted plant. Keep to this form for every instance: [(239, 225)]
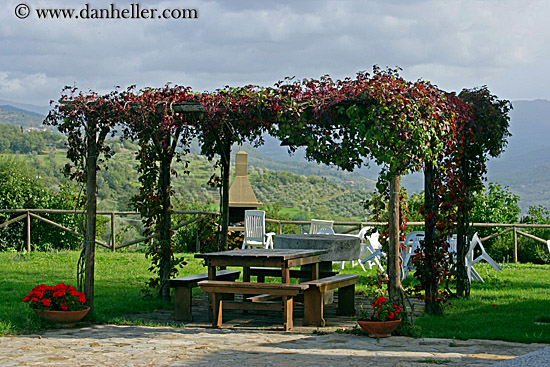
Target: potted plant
[(384, 318), (61, 303)]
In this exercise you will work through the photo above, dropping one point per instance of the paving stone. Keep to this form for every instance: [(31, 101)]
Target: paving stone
[(256, 339)]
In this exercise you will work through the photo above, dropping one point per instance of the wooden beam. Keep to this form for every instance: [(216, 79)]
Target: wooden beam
[(532, 237), (5, 224), (66, 229), (496, 234), (56, 225)]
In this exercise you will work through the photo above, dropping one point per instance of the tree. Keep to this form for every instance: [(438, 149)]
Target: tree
[(531, 250)]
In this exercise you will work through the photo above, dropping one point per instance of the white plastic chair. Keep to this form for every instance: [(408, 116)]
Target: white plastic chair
[(452, 241), (372, 252), (412, 243), (471, 259), (361, 236), (325, 230), (321, 225), (254, 230)]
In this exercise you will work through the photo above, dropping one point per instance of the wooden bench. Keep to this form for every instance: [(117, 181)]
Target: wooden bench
[(261, 273), (217, 288), (313, 297), (183, 291)]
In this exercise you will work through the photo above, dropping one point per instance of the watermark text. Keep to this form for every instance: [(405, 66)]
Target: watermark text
[(86, 12)]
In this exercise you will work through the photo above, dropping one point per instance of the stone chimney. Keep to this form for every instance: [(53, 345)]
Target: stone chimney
[(241, 196)]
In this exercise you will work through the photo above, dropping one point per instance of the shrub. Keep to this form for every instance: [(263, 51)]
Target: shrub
[(21, 188), (530, 250), (496, 205)]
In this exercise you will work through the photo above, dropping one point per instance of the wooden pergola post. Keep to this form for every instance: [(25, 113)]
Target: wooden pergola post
[(394, 270), (91, 207)]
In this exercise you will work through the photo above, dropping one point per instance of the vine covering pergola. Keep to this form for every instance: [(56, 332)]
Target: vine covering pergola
[(398, 124), (402, 126)]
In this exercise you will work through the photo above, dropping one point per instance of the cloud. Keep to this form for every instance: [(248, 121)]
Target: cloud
[(451, 43), (28, 87)]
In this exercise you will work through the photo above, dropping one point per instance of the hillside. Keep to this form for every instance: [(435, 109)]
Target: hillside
[(14, 116), (299, 196), (523, 167), (352, 180), (41, 110)]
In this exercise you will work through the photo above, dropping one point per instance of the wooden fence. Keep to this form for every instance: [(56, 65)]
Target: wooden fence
[(31, 213), (27, 214)]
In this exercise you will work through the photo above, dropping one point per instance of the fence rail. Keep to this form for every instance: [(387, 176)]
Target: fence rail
[(30, 213), (353, 226)]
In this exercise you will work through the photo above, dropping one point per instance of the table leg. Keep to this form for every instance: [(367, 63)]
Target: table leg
[(285, 275), (213, 305), (313, 308), (216, 311), (288, 312), (211, 272), (246, 274), (325, 266), (315, 271)]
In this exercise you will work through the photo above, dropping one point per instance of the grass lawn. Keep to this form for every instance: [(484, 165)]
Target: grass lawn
[(505, 307)]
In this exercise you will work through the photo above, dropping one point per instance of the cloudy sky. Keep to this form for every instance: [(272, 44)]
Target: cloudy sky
[(455, 44)]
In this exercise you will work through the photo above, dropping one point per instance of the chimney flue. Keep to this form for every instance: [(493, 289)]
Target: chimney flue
[(241, 195)]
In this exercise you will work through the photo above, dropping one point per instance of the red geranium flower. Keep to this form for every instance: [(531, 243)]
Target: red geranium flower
[(61, 297), (382, 310)]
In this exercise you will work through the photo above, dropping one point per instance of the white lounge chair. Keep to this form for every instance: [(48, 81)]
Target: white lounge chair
[(361, 236), (372, 252), (254, 230), (471, 259)]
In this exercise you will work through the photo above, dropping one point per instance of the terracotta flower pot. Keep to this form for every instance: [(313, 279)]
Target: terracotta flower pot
[(63, 318), (379, 329)]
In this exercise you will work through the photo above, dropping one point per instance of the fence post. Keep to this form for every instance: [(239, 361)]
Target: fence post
[(197, 240), (280, 227), (515, 244), (113, 231), (28, 231)]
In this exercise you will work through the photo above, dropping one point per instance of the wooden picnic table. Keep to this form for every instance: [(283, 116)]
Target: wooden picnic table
[(278, 258), (247, 258)]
